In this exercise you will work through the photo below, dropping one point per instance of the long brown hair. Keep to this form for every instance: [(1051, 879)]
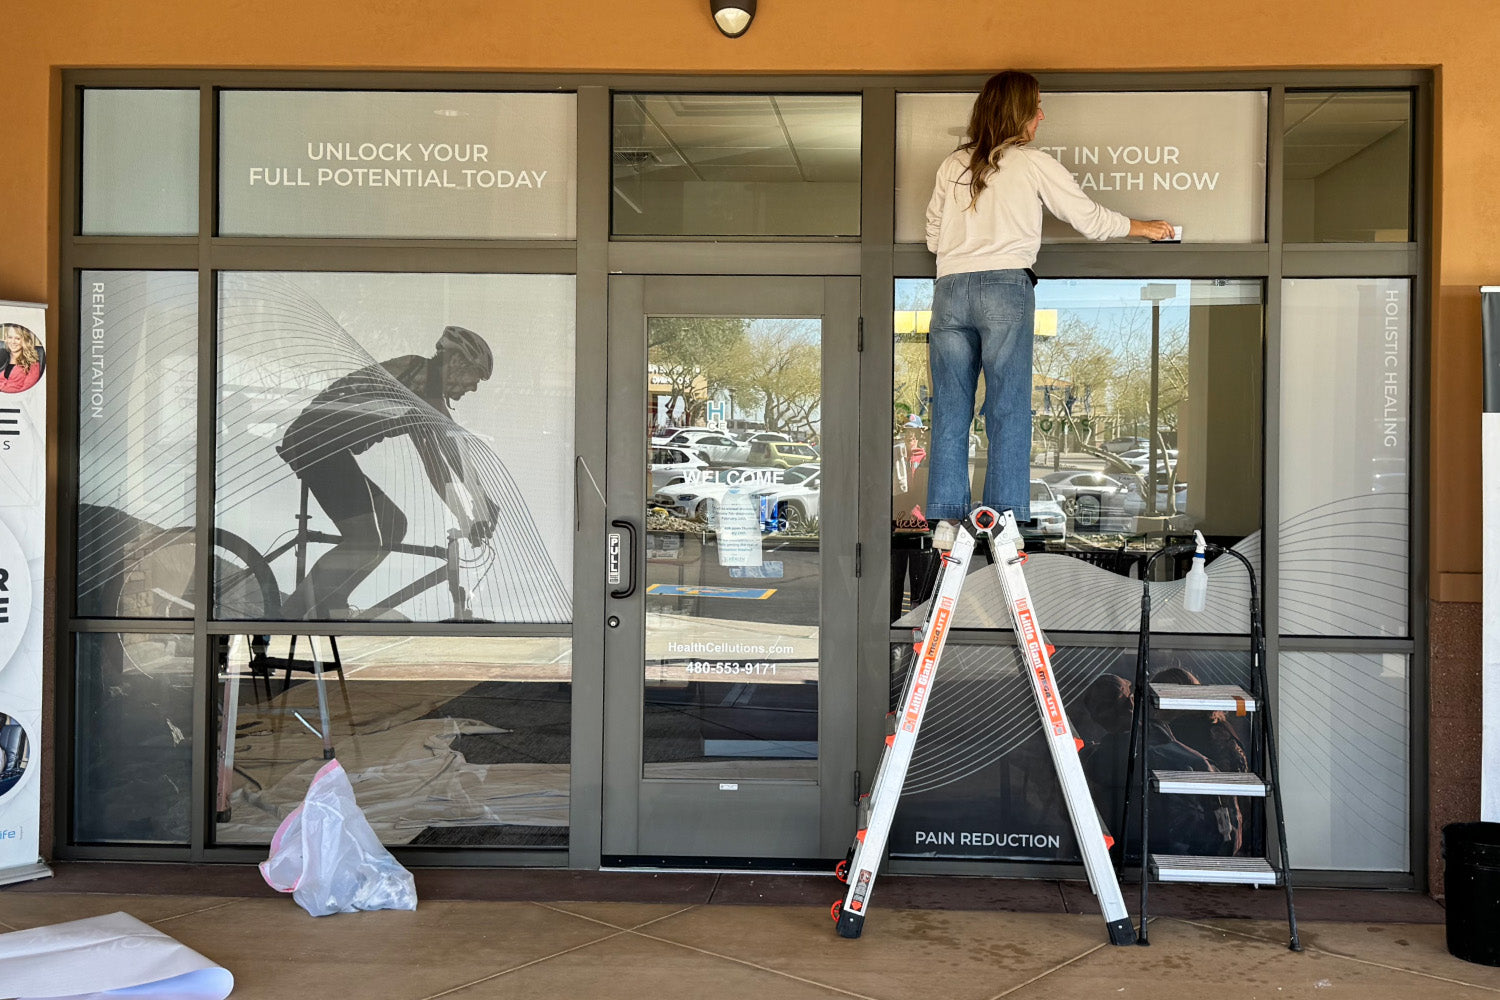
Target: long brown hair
[(28, 355), (1003, 109)]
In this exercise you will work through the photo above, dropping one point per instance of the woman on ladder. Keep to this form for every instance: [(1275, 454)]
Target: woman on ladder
[(984, 222)]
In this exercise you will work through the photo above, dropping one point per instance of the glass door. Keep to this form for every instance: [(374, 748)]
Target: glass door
[(729, 631)]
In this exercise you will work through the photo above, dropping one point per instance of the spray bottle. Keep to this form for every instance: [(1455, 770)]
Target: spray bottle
[(1197, 578)]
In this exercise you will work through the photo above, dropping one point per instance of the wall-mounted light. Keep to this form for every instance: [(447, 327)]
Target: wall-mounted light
[(733, 16)]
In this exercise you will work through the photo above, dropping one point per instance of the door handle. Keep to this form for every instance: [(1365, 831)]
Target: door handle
[(630, 559)]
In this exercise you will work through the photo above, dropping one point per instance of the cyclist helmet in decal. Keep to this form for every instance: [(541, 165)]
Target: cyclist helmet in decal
[(468, 347)]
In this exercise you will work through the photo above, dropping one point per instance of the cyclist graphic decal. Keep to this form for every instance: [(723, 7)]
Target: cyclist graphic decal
[(339, 479), (407, 396), (405, 512)]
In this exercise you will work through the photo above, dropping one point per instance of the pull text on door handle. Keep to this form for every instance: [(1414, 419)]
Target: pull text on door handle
[(615, 555)]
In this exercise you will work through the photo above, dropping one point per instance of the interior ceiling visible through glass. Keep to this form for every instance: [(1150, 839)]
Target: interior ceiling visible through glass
[(774, 137), (1325, 129)]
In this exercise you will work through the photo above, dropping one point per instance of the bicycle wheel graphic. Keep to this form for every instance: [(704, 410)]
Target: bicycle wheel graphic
[(159, 579)]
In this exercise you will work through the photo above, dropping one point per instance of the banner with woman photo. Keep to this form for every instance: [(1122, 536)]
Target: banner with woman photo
[(23, 534)]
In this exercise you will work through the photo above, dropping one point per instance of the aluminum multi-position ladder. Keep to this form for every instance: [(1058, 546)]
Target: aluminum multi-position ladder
[(878, 808)]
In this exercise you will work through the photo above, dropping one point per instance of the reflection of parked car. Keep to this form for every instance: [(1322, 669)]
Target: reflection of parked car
[(1135, 497), (1140, 457), (1122, 444), (781, 454), (1068, 483), (795, 489), (716, 446), (1096, 501), (750, 439), (799, 474), (696, 501), (1047, 517), (794, 503), (673, 465), (662, 435)]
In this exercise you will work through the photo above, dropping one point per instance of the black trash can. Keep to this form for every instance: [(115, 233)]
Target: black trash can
[(1471, 885)]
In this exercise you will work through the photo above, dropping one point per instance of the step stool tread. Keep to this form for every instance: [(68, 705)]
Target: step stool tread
[(1209, 697), (1191, 868), (1209, 783)]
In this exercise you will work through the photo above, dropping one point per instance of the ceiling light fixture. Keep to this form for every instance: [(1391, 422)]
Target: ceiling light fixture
[(732, 16)]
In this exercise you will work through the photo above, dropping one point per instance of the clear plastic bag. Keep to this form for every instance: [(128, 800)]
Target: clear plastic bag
[(325, 854)]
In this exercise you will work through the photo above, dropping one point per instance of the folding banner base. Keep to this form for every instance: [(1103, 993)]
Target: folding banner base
[(24, 873)]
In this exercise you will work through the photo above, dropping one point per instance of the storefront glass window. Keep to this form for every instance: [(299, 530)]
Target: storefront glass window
[(1196, 159), (395, 447), (982, 785), (1345, 456), (137, 435), (133, 743), (736, 165), (1348, 167), (1344, 736), (404, 165), (140, 162), (733, 547), (1131, 449), (451, 742)]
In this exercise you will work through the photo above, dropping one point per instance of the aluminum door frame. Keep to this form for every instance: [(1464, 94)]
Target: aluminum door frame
[(669, 821)]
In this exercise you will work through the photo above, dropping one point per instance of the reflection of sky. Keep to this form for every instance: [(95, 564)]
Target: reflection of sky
[(1111, 305)]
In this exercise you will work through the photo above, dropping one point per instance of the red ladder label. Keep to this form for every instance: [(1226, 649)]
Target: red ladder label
[(1031, 637), (923, 682)]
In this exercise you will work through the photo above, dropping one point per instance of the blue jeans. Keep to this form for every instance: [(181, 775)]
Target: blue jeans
[(981, 321)]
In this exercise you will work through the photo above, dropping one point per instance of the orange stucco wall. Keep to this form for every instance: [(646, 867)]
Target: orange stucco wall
[(1459, 37)]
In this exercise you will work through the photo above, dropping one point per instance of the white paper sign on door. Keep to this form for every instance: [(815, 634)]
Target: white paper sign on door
[(738, 520)]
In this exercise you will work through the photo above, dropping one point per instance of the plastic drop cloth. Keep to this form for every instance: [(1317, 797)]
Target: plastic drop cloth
[(407, 778)]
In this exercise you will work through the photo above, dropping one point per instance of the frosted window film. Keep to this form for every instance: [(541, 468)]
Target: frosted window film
[(406, 165), (1345, 456), (1196, 159), (137, 439), (1342, 732), (140, 162)]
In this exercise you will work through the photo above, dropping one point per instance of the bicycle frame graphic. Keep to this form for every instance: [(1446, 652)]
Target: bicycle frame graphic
[(159, 578)]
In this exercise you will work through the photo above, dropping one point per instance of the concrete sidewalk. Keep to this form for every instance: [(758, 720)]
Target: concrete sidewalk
[(665, 936)]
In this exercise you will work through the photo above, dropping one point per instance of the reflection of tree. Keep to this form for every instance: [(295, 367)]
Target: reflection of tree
[(1110, 364), (780, 364), (777, 366), (911, 376), (687, 349), (1106, 360), (911, 373)]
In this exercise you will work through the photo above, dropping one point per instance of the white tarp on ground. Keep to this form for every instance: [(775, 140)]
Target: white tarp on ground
[(406, 778), (103, 956)]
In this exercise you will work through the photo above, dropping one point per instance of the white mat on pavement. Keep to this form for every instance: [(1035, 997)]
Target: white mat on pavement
[(115, 955)]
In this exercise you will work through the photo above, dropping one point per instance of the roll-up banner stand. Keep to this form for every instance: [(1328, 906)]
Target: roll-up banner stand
[(1489, 793), (24, 362)]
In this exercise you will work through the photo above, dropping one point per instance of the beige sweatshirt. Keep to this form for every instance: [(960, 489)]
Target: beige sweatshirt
[(1004, 229)]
